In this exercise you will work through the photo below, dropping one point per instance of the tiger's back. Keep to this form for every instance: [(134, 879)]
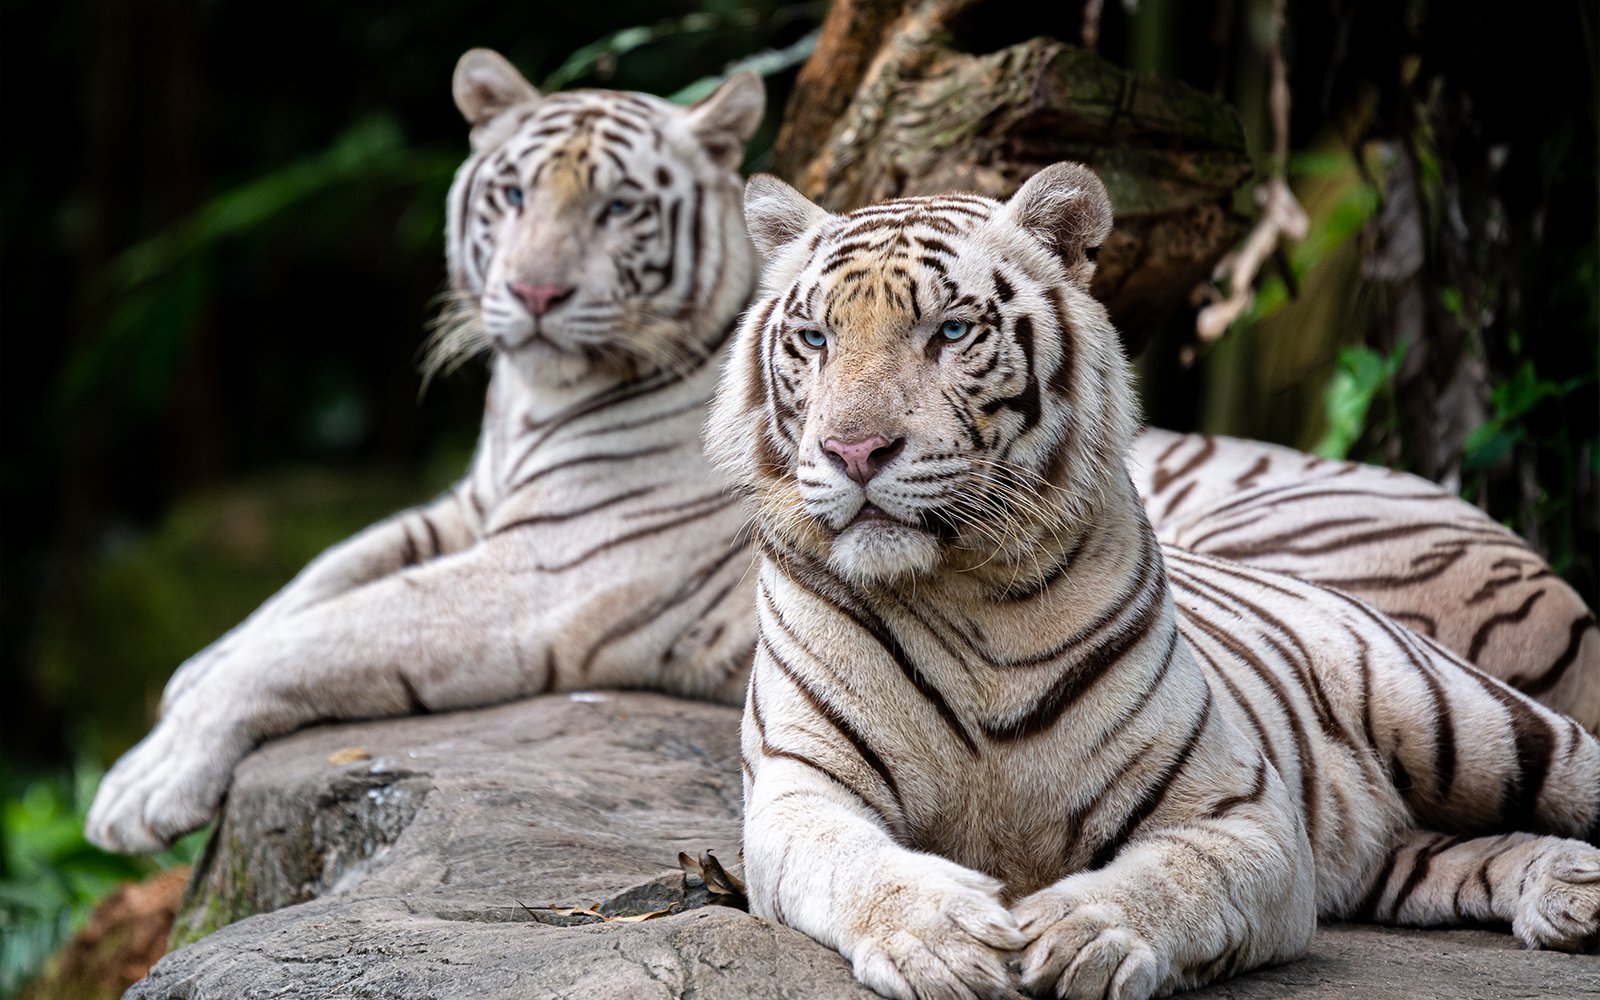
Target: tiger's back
[(1420, 554), (1377, 730)]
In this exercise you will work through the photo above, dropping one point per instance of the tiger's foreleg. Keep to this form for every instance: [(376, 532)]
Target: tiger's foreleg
[(467, 629), (819, 857), (1546, 888), (912, 924), (1184, 904), (449, 524)]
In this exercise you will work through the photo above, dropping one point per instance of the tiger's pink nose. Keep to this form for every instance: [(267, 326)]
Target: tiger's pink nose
[(864, 459), (539, 298)]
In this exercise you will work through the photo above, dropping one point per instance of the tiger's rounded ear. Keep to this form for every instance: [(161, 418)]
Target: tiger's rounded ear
[(1065, 205), (776, 213), (726, 118), (485, 84)]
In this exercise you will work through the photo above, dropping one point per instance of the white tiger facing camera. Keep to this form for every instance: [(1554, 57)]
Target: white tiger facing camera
[(992, 721), (596, 249)]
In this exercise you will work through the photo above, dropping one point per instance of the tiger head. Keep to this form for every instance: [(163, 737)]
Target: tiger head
[(927, 382), (594, 230)]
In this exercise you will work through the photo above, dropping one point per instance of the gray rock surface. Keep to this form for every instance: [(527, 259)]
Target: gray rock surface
[(438, 865)]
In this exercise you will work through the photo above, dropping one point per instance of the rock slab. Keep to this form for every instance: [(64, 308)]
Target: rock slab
[(501, 852)]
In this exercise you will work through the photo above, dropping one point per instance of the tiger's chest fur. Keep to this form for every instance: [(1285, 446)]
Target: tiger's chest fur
[(954, 780)]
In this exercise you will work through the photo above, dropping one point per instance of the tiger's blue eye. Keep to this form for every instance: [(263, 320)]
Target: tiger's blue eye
[(815, 338), (514, 196), (955, 329), (619, 207)]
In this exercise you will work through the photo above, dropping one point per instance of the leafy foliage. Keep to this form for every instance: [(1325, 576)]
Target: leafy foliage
[(158, 288), (148, 600), (1514, 400), (52, 876), (1467, 231), (1363, 375)]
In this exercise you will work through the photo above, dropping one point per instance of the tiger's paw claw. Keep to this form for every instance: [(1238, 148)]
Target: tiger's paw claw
[(1560, 908), (1084, 951), (946, 938), (167, 786)]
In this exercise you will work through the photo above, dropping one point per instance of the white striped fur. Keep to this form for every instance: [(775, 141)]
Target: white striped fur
[(991, 717), (1413, 550), (590, 543)]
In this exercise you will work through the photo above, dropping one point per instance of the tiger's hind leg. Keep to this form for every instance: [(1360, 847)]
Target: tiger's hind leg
[(1546, 888)]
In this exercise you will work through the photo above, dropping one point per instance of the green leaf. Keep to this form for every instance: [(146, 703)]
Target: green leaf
[(597, 53), (1524, 390), (762, 63), (1361, 375), (1344, 220), (1318, 163), (157, 290)]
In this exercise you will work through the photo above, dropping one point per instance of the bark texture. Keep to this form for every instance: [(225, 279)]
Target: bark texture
[(916, 115)]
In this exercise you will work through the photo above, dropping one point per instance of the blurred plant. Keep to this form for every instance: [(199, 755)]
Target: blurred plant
[(1266, 378), (765, 63), (1514, 400), (52, 876), (599, 58), (1514, 435), (1459, 280), (1447, 325), (1362, 376), (148, 600), (1336, 216), (1282, 218), (155, 292)]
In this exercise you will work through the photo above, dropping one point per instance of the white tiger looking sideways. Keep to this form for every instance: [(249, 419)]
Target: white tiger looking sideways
[(979, 722), (596, 241)]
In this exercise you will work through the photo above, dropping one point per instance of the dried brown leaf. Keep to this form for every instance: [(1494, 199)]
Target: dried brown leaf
[(719, 879), (726, 888), (639, 916), (349, 755)]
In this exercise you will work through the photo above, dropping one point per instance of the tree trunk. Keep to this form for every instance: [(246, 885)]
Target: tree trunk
[(888, 107)]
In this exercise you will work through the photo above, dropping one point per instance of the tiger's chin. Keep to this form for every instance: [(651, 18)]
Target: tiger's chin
[(881, 551), (546, 359)]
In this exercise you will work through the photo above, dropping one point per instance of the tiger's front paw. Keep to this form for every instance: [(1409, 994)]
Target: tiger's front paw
[(935, 931), (1084, 949), (168, 785), (1560, 904)]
